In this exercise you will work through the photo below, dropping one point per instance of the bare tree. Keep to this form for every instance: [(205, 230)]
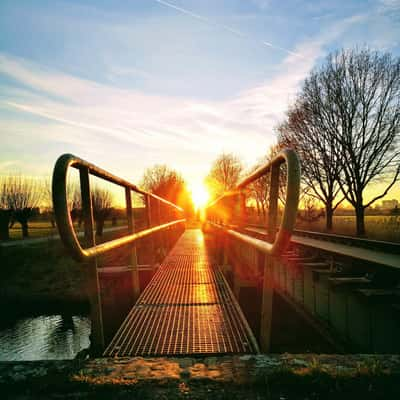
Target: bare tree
[(47, 201), (102, 200), (168, 184), (23, 196), (258, 190), (75, 202), (224, 174), (163, 181), (316, 147), (355, 98), (5, 210), (309, 212)]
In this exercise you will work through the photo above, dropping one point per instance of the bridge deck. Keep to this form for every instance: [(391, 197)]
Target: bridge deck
[(187, 308)]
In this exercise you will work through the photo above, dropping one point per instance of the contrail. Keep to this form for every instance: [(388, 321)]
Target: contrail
[(227, 28)]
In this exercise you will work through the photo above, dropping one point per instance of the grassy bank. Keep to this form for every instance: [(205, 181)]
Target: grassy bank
[(40, 274), (43, 275)]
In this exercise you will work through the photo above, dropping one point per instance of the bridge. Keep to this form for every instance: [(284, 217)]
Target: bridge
[(187, 308), (192, 303)]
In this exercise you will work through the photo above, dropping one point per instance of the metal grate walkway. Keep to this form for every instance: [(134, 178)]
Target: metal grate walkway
[(187, 308)]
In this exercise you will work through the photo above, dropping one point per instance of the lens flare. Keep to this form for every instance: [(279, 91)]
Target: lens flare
[(200, 195)]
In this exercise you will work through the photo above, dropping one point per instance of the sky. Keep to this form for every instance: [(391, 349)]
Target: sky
[(131, 83)]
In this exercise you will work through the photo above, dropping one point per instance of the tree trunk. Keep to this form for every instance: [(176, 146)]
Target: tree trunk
[(258, 208), (264, 212), (4, 224), (360, 225), (99, 226), (25, 232), (329, 217)]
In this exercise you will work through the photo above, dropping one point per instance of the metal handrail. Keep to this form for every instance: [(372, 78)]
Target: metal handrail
[(63, 217), (281, 239)]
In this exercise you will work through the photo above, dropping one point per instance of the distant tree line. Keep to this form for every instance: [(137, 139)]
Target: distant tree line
[(21, 197)]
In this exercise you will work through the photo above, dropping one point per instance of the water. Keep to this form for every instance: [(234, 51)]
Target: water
[(44, 337)]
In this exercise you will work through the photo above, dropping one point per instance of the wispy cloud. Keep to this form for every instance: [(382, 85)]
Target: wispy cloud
[(142, 129), (262, 4)]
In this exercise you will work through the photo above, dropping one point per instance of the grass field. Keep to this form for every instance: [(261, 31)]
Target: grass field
[(382, 227), (44, 229)]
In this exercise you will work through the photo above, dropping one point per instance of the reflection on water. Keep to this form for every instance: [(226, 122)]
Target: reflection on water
[(46, 337)]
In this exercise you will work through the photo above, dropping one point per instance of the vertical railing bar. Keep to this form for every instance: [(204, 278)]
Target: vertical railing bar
[(268, 288), (93, 285), (87, 207), (242, 209), (149, 225), (133, 253), (148, 211), (161, 234), (273, 201)]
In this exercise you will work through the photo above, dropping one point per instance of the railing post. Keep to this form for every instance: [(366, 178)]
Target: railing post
[(149, 225), (268, 288), (93, 285), (266, 307), (273, 202), (242, 209), (133, 253), (161, 234), (225, 259), (221, 238)]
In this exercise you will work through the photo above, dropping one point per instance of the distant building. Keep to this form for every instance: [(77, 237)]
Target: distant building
[(390, 204)]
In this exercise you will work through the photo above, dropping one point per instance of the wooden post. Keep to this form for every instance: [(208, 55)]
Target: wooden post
[(268, 288), (93, 285), (133, 253)]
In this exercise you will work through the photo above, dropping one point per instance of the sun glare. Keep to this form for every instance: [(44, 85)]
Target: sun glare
[(200, 195)]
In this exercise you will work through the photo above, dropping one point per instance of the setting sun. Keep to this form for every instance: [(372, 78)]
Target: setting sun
[(200, 195)]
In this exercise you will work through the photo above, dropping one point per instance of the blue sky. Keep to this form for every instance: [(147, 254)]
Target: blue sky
[(126, 84)]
